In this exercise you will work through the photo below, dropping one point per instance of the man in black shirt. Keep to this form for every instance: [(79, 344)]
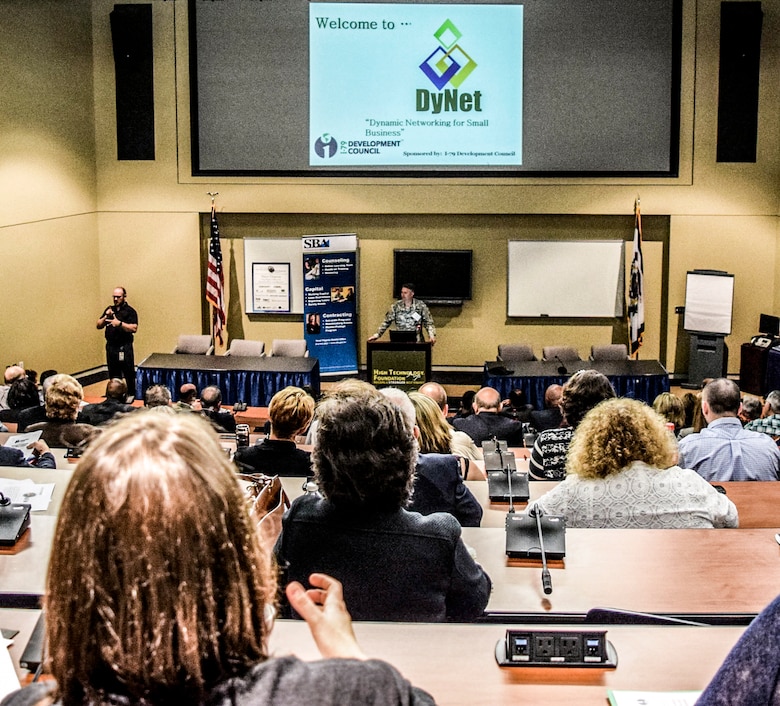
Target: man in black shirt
[(120, 321)]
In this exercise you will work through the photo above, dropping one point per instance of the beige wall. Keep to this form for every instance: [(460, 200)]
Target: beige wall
[(141, 222)]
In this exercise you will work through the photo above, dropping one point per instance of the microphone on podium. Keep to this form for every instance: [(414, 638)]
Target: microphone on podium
[(562, 369)]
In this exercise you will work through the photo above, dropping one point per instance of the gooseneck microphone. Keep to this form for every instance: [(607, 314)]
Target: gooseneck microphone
[(536, 511), (508, 470), (562, 369)]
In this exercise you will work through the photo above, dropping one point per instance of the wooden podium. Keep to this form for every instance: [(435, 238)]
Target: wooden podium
[(404, 365)]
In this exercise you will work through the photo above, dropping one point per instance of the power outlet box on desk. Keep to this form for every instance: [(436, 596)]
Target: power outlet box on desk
[(553, 648)]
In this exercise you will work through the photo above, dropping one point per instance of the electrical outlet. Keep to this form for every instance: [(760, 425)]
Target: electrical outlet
[(544, 646), (569, 647), (553, 648)]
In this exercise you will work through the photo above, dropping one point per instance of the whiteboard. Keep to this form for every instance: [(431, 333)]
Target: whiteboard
[(709, 298), (274, 251), (566, 278)]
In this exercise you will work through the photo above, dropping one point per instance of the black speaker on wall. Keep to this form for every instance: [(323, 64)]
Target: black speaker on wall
[(131, 34), (740, 58)]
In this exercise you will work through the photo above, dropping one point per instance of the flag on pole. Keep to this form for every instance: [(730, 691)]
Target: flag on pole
[(215, 280), (636, 290)]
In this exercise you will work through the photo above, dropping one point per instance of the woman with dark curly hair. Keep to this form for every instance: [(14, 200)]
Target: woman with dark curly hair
[(621, 473), (583, 391), (159, 591), (394, 564)]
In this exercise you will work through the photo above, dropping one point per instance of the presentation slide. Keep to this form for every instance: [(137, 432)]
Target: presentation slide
[(417, 84)]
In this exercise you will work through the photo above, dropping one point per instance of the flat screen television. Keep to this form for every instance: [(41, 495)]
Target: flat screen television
[(440, 276), (769, 325)]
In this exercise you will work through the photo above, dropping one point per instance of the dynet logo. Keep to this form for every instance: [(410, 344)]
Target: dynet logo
[(325, 146), (448, 63)]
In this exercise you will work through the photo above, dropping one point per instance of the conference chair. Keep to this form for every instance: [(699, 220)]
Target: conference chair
[(564, 353), (611, 351), (196, 344), (515, 352), (246, 349), (289, 348)]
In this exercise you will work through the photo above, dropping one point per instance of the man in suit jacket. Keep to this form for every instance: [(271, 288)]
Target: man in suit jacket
[(488, 422), (550, 417), (103, 412)]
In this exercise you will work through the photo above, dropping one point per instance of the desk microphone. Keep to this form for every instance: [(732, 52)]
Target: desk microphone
[(508, 470), (536, 511), (562, 369)]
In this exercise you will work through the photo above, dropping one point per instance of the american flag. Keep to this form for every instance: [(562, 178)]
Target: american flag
[(636, 291), (215, 280)]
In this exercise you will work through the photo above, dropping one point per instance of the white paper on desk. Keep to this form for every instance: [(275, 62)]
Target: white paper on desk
[(22, 441), (27, 491), (9, 680), (652, 698)]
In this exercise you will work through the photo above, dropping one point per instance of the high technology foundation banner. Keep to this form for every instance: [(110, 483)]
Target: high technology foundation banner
[(415, 84)]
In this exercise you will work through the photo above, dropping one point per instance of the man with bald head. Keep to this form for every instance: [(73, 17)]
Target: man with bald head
[(462, 444), (120, 322), (723, 450), (487, 421), (550, 417), (12, 373)]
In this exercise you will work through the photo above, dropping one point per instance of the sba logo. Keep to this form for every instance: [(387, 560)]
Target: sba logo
[(325, 146), (448, 63)]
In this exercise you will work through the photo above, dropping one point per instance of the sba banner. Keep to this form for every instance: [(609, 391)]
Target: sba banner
[(330, 301)]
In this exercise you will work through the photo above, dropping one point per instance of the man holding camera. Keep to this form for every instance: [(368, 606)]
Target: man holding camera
[(120, 321)]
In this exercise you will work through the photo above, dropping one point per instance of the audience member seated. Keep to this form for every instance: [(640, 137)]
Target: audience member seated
[(291, 410), (394, 564), (114, 404), (751, 409), (769, 423), (33, 415), (438, 479), (581, 393), (461, 444), (750, 674), (517, 407), (551, 416), (22, 395), (41, 456), (188, 398), (621, 474), (723, 450), (159, 592), (211, 403), (487, 422), (157, 398), (466, 406), (63, 400), (670, 407), (12, 372)]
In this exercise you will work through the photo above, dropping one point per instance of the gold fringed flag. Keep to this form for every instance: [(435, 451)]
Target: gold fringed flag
[(636, 290)]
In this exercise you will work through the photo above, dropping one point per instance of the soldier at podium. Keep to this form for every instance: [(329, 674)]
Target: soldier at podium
[(408, 314)]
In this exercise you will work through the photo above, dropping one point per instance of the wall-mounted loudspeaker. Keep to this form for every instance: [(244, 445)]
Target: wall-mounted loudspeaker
[(740, 56), (131, 34)]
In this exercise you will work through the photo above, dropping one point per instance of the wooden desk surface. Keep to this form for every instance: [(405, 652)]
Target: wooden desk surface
[(758, 503), (456, 664), (686, 571)]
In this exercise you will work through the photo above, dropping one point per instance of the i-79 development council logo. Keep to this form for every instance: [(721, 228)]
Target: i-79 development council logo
[(326, 145), (448, 63)]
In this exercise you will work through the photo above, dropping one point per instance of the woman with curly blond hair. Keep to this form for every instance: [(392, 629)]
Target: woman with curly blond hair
[(621, 473)]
